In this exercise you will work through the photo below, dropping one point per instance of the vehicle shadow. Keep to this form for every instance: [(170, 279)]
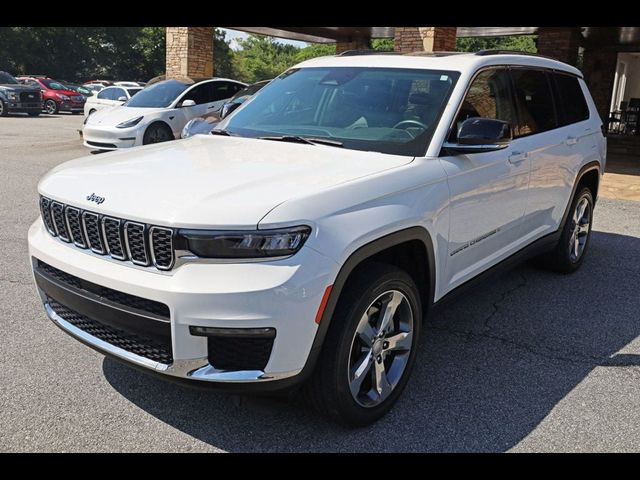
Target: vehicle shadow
[(492, 366), (24, 115)]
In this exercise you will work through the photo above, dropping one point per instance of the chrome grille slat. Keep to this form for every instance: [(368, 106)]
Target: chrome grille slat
[(161, 240), (142, 244), (74, 223), (136, 242), (113, 237), (59, 222), (93, 232)]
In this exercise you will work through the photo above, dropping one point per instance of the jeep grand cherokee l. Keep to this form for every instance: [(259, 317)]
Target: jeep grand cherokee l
[(17, 98), (307, 237)]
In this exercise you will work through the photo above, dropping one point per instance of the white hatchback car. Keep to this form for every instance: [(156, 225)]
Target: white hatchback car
[(306, 238), (109, 97), (156, 114)]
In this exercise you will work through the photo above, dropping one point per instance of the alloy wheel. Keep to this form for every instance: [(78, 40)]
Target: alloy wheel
[(50, 107), (581, 224), (380, 348)]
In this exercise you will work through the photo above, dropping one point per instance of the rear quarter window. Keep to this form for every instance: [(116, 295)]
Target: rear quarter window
[(573, 106)]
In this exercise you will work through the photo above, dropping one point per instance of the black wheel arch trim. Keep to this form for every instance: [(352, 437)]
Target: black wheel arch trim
[(588, 167), (356, 258)]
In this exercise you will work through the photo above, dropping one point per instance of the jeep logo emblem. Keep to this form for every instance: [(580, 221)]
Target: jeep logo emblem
[(95, 198)]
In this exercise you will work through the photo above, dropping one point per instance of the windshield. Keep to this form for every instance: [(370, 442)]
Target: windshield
[(388, 110), (8, 79), (158, 95), (53, 85)]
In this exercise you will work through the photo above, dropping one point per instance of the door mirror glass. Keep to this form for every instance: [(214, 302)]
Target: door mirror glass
[(479, 134), (188, 103)]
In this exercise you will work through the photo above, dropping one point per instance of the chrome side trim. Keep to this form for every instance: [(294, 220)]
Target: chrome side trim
[(193, 369)]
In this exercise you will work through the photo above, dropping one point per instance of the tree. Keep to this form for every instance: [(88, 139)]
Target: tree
[(222, 55), (523, 43), (383, 44), (315, 50), (262, 58)]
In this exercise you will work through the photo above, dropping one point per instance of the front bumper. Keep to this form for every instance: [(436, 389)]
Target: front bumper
[(111, 138), (24, 107), (67, 106), (282, 295)]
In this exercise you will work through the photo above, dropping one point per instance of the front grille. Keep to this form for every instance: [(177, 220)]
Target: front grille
[(125, 299), (122, 240), (30, 97), (77, 98), (136, 344), (239, 353), (57, 212)]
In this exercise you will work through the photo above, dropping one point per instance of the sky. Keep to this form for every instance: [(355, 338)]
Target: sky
[(233, 35)]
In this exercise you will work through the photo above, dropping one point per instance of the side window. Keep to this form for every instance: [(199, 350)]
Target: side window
[(536, 111), (198, 94), (223, 90), (116, 93), (571, 99), (104, 94), (489, 97)]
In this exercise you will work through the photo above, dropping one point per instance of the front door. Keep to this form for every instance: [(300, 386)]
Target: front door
[(488, 190)]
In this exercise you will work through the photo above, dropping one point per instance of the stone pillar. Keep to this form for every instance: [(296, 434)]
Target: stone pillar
[(189, 52), (354, 43), (560, 42), (425, 39), (599, 68)]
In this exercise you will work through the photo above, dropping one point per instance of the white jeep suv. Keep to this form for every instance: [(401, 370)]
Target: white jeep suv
[(305, 240)]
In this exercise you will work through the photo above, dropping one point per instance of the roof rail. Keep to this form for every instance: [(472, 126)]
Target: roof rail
[(484, 53), (354, 53), (442, 53)]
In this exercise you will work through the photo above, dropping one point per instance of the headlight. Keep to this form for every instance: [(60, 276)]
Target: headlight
[(13, 96), (61, 96), (130, 123), (282, 242)]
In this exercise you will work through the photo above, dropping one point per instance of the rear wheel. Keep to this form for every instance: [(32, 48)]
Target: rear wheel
[(571, 249), (370, 347), (157, 133), (50, 107)]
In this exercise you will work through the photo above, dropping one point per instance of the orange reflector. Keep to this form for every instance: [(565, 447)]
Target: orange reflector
[(323, 304)]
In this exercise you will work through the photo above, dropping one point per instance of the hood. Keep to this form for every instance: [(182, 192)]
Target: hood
[(208, 181), (12, 87), (118, 114)]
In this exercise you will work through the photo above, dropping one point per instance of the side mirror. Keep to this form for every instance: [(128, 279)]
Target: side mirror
[(188, 103), (196, 126), (122, 99), (227, 108), (476, 135)]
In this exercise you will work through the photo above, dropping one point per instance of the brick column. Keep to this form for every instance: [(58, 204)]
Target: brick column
[(599, 68), (189, 52), (425, 39), (353, 44), (560, 42)]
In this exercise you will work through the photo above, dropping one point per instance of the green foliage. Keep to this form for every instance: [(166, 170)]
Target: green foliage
[(524, 43), (315, 50), (222, 55), (383, 44), (262, 58)]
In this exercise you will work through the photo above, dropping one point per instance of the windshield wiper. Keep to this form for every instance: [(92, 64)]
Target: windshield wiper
[(307, 140), (225, 133)]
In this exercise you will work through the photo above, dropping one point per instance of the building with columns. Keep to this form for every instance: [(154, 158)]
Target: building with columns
[(610, 56)]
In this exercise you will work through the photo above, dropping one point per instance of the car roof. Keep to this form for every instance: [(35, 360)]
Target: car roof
[(452, 61)]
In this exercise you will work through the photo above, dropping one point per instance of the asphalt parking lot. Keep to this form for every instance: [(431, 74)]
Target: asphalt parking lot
[(531, 361)]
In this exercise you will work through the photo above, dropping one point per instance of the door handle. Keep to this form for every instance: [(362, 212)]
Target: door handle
[(572, 140), (211, 107), (517, 157)]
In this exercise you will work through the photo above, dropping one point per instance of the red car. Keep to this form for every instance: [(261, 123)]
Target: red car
[(56, 97)]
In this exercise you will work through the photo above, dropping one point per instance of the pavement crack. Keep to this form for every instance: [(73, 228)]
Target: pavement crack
[(15, 282), (497, 303)]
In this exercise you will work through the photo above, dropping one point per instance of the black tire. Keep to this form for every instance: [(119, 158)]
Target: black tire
[(3, 108), (34, 114), (51, 107), (329, 388), (562, 258), (157, 133)]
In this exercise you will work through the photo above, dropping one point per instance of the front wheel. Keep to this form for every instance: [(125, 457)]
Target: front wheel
[(157, 133), (370, 347), (51, 107), (3, 108)]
